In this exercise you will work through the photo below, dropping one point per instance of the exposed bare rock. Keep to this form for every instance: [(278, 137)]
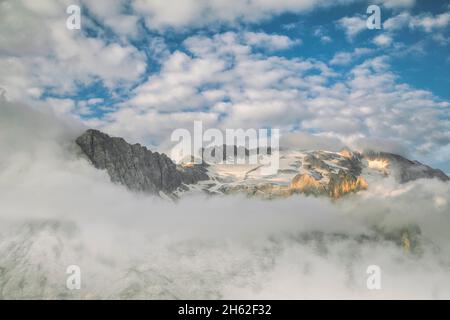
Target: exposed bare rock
[(134, 165), (344, 183), (307, 184), (339, 184)]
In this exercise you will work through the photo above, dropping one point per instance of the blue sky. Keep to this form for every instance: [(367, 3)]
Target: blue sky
[(141, 69), (428, 69)]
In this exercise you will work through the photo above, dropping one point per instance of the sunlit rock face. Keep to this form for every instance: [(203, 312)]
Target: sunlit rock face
[(378, 164), (338, 185), (308, 185), (344, 183)]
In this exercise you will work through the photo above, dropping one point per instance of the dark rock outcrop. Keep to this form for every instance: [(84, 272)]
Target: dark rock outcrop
[(135, 166)]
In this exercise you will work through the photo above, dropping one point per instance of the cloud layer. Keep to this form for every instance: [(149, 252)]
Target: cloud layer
[(56, 210)]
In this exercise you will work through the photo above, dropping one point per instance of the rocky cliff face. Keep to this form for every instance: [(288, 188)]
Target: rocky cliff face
[(331, 174), (337, 186), (344, 183), (307, 184), (135, 166)]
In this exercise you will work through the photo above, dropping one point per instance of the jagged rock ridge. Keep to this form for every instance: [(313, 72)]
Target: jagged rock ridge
[(135, 166)]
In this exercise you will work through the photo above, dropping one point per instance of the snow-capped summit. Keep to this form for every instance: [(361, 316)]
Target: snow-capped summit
[(315, 172)]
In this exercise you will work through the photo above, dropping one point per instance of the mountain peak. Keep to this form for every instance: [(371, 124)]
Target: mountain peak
[(134, 165), (319, 173)]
